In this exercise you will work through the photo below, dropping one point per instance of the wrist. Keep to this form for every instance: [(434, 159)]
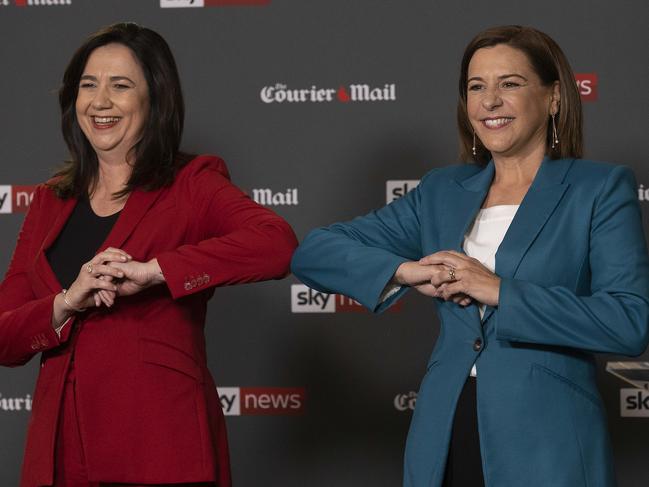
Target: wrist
[(157, 277), (69, 307)]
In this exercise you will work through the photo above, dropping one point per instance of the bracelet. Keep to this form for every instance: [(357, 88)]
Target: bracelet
[(65, 300)]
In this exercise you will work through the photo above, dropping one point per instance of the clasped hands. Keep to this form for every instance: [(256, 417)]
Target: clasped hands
[(110, 274), (451, 276)]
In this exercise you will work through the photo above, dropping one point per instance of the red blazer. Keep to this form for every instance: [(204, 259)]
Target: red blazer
[(147, 404)]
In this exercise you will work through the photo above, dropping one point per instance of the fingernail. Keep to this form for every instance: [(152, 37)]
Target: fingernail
[(120, 274), (123, 258)]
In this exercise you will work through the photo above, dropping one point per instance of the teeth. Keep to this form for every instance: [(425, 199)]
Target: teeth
[(106, 119), (497, 122)]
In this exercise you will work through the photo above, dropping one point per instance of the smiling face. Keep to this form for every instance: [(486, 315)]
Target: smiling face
[(507, 104), (113, 101)]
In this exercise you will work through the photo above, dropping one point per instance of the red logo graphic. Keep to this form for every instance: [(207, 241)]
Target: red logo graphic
[(587, 84), (342, 95)]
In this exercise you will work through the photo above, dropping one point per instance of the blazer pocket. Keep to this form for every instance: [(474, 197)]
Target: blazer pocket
[(165, 355), (568, 383)]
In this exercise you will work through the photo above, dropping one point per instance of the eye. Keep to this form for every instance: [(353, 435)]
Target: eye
[(121, 86), (86, 84), (510, 84), (475, 87)]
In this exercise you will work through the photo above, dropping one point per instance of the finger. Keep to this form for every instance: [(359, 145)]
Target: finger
[(451, 289), (466, 301), (443, 257), (108, 256), (113, 249), (444, 274), (106, 298), (102, 270), (97, 299), (426, 290), (101, 284)]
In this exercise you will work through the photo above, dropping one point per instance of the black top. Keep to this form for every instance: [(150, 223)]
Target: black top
[(79, 241)]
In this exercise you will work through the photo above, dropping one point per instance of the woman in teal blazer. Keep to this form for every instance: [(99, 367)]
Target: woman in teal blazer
[(571, 276)]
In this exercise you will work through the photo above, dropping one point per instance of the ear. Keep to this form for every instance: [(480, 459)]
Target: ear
[(555, 98)]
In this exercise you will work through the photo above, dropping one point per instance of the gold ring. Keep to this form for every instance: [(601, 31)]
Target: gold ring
[(451, 274), (89, 268)]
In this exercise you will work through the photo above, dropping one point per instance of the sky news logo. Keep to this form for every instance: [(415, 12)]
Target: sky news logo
[(587, 85), (634, 402), (355, 92), (245, 401), (15, 199), (307, 300), (396, 188), (209, 3)]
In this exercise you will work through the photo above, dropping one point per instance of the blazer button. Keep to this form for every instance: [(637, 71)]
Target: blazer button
[(206, 278), (193, 284), (477, 345), (188, 286)]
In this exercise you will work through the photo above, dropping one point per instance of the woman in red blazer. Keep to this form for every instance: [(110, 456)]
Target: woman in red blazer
[(112, 272)]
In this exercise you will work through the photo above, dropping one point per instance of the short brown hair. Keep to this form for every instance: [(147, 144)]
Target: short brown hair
[(550, 64)]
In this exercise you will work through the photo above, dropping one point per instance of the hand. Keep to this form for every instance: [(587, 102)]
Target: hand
[(94, 280), (426, 278), (94, 277), (471, 278), (137, 276)]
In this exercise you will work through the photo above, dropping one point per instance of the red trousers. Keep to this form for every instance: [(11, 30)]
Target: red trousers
[(69, 460)]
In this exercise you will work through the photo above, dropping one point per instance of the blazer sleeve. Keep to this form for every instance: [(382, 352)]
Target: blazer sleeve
[(614, 318), (358, 258), (25, 321), (243, 241)]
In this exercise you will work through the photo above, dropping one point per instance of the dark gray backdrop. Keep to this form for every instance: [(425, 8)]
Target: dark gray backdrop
[(338, 156)]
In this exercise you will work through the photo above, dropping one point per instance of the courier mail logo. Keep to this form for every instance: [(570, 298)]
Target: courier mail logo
[(396, 188), (15, 199), (243, 401), (11, 404)]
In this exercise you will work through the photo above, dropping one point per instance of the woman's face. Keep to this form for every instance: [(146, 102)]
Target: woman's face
[(508, 106), (113, 101)]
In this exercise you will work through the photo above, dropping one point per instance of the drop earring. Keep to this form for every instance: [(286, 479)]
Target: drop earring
[(555, 137), (473, 149)]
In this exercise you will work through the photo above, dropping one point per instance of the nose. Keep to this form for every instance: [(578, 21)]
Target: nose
[(101, 100), (491, 99)]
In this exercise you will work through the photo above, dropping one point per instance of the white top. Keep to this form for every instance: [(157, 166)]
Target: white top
[(484, 238)]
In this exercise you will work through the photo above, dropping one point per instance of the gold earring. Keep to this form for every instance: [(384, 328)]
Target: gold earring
[(473, 150), (555, 137)]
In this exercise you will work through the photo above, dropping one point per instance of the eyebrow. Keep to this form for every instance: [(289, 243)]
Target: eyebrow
[(112, 78), (478, 78)]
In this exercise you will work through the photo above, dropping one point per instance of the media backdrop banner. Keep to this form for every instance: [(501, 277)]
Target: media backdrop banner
[(323, 110)]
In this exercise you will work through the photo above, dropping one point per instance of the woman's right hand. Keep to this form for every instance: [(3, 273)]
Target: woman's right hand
[(426, 278), (92, 286)]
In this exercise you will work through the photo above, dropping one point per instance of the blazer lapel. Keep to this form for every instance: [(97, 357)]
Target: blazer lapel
[(45, 271), (538, 204), (463, 202), (137, 205)]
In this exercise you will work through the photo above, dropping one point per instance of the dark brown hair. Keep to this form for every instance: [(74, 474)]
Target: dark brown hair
[(156, 156), (550, 65)]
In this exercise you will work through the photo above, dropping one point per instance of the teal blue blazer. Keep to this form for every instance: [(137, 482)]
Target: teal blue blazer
[(574, 281)]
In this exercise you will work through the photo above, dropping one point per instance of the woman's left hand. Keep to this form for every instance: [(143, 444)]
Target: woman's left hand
[(470, 277), (137, 276)]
